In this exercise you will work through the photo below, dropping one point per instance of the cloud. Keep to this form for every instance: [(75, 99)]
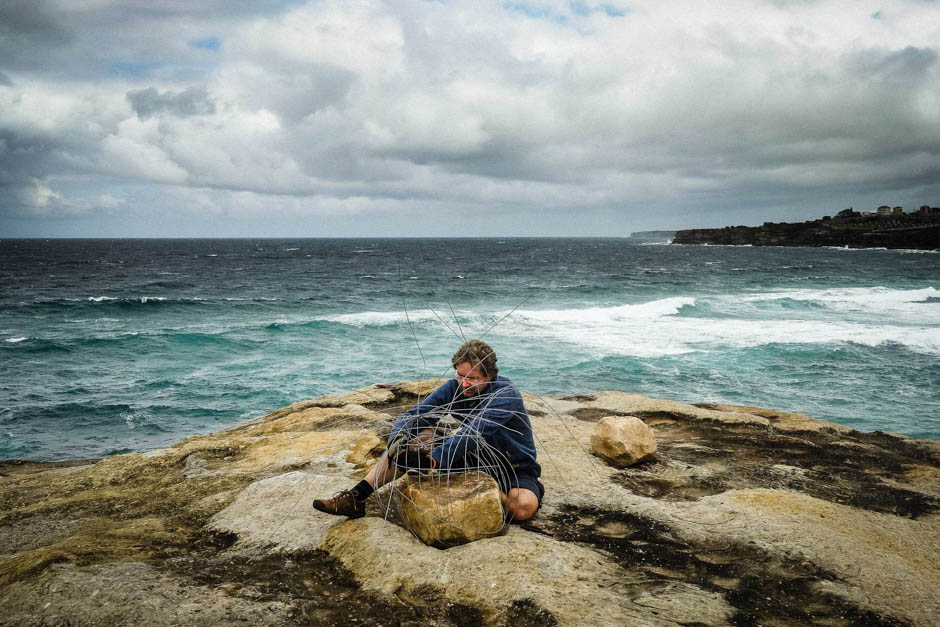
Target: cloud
[(24, 21), (433, 110), (192, 101), (38, 199), (37, 194)]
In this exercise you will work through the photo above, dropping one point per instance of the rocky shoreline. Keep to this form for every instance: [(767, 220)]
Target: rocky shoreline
[(908, 231), (744, 516)]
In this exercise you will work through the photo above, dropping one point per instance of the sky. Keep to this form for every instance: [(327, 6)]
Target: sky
[(411, 118)]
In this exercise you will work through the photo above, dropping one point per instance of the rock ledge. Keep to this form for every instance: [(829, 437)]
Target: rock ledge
[(745, 515)]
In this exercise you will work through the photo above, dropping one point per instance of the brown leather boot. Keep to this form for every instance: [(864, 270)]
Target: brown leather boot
[(343, 503)]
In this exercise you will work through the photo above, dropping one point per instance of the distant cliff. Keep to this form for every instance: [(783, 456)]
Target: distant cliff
[(859, 231)]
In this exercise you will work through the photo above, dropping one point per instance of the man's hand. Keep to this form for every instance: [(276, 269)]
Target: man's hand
[(415, 460), (417, 445), (395, 446)]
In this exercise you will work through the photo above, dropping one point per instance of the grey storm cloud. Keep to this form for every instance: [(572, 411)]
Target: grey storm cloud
[(910, 63), (27, 27), (149, 102), (31, 19)]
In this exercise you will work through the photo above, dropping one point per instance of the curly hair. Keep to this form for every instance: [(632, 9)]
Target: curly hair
[(478, 353)]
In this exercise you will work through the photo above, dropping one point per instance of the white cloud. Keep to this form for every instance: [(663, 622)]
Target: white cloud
[(37, 194), (39, 199)]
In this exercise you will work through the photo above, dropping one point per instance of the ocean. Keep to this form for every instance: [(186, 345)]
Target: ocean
[(111, 346)]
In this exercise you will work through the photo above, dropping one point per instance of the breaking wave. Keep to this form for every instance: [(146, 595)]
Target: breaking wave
[(684, 324), (866, 296), (878, 304)]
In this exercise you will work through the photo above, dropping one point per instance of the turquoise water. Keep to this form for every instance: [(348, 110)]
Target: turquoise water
[(109, 346)]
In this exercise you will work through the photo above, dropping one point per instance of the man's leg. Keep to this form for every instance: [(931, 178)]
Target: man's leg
[(520, 503), (351, 503), (385, 471)]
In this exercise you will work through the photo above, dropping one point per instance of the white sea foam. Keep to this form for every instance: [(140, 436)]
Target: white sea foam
[(15, 340), (652, 330), (378, 318), (142, 299), (852, 294), (655, 328), (134, 419), (726, 245), (847, 247), (652, 336), (880, 303), (646, 311)]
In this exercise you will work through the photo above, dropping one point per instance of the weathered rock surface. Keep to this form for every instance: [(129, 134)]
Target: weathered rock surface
[(745, 516), (124, 593), (452, 510), (623, 440), (553, 581)]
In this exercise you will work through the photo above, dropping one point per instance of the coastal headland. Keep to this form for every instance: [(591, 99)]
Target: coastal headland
[(888, 229), (745, 516)]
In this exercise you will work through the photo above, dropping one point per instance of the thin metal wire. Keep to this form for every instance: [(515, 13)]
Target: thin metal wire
[(401, 288)]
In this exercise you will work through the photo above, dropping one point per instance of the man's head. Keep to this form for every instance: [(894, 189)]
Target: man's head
[(475, 363)]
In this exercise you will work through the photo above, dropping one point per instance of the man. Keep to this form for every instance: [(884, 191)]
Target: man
[(494, 435)]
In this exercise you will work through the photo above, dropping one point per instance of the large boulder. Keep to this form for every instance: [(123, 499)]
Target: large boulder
[(623, 440), (448, 510)]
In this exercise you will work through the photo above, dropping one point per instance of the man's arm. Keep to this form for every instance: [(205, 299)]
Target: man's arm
[(426, 413), (504, 405)]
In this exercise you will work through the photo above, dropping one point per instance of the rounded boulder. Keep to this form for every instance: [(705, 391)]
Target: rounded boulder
[(623, 440), (451, 509)]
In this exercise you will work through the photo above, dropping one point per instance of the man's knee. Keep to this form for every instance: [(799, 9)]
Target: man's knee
[(521, 504)]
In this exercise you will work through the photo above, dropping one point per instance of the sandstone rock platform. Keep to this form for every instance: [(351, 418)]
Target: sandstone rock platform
[(745, 516)]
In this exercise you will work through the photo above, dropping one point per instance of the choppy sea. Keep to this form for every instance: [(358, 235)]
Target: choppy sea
[(110, 346)]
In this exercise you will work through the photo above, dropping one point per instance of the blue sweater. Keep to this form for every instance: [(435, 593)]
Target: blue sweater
[(497, 414)]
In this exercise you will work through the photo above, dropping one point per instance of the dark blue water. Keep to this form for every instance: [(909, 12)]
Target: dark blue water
[(109, 346)]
